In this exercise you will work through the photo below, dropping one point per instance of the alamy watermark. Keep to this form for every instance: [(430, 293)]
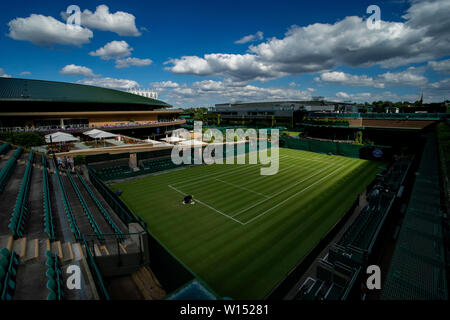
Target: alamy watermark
[(374, 21), (222, 150)]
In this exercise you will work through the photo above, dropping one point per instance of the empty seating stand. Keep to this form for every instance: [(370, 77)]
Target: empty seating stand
[(49, 226), (101, 208), (151, 166), (114, 172), (8, 168), (8, 271), (54, 276), (5, 148), (85, 207), (68, 208), (20, 212)]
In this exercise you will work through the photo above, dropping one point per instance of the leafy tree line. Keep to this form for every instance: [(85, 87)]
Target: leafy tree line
[(24, 139)]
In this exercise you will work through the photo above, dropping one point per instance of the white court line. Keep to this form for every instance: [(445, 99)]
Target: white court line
[(281, 170), (240, 222), (309, 159), (296, 194), (283, 190), (207, 205), (240, 187), (217, 174)]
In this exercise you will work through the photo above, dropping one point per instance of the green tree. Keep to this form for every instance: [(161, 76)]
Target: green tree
[(359, 137)]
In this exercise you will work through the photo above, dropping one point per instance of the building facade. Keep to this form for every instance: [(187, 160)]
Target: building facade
[(27, 105)]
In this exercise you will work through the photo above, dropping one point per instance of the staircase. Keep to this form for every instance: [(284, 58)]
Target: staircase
[(148, 285)]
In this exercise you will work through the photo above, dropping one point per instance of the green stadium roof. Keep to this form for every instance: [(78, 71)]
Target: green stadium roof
[(12, 89)]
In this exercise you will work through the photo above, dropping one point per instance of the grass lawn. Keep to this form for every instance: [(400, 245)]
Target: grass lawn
[(247, 231)]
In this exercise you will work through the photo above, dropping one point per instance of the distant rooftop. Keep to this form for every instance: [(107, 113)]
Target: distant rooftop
[(25, 90), (282, 102)]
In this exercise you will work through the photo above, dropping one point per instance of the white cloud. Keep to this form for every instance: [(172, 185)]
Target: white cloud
[(342, 95), (237, 66), (122, 23), (3, 74), (227, 90), (362, 97), (410, 77), (25, 73), (45, 31), (250, 38), (164, 85), (321, 47), (113, 50), (348, 79), (125, 63), (110, 83), (440, 66), (75, 70)]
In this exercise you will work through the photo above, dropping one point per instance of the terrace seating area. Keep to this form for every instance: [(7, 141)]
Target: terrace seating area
[(21, 209), (345, 259), (54, 276), (80, 128), (418, 268), (8, 169), (8, 272), (68, 208), (151, 166), (114, 172), (101, 208), (40, 202), (49, 226), (5, 147)]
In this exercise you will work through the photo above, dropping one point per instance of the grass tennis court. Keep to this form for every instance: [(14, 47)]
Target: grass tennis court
[(247, 231)]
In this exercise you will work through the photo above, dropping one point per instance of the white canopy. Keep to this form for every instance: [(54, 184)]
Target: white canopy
[(93, 131), (173, 139), (193, 143), (60, 137), (103, 135), (99, 134)]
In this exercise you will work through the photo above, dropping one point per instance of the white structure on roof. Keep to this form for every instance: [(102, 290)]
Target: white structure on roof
[(99, 134), (173, 139), (60, 137), (144, 93), (192, 143)]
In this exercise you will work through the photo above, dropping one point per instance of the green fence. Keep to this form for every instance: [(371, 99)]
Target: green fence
[(343, 149)]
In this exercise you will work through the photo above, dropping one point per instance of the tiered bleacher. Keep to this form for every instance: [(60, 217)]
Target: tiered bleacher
[(86, 209), (49, 226), (113, 200), (21, 210), (8, 271), (115, 172), (54, 276), (8, 168), (338, 271), (4, 148), (101, 208), (418, 269), (151, 166), (68, 208)]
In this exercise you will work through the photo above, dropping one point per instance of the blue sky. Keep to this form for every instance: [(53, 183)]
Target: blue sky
[(198, 53)]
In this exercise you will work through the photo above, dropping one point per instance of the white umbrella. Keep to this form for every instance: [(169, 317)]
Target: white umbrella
[(193, 143), (173, 139), (93, 131), (103, 135), (60, 137)]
